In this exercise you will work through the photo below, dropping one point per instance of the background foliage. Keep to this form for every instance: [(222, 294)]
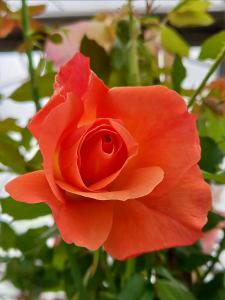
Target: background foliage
[(37, 260)]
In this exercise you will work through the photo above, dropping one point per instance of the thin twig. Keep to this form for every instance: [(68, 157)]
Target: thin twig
[(212, 69), (26, 36)]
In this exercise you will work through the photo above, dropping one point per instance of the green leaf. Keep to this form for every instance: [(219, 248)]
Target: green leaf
[(220, 294), (213, 220), (190, 13), (190, 258), (173, 42), (123, 31), (99, 59), (9, 125), (212, 125), (211, 155), (23, 241), (134, 289), (45, 88), (212, 46), (178, 73), (10, 155), (213, 289), (217, 177), (7, 236), (172, 290), (23, 211), (190, 19)]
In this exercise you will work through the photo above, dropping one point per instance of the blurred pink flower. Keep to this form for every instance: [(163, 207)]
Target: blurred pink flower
[(211, 238), (72, 34)]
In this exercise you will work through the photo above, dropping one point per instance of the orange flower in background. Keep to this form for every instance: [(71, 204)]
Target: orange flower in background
[(119, 165)]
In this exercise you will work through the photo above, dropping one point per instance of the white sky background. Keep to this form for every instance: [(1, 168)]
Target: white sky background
[(89, 7)]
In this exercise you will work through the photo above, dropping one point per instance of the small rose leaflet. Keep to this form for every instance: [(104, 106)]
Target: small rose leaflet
[(120, 165)]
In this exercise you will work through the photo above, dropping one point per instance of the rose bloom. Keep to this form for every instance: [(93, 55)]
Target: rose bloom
[(119, 165)]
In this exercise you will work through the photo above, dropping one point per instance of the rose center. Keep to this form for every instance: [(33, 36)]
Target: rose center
[(103, 152), (107, 143)]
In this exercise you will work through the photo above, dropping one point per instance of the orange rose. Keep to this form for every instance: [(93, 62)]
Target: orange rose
[(119, 165)]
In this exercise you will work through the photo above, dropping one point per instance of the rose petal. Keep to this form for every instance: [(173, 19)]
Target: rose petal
[(73, 141), (158, 120), (64, 115), (73, 77), (156, 223), (31, 188), (144, 111), (140, 183), (85, 222), (175, 151)]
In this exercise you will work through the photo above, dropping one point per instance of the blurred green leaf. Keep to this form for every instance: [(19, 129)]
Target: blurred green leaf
[(7, 236), (173, 42), (145, 64), (220, 294), (211, 155), (191, 13), (134, 289), (10, 155), (212, 46), (213, 220), (26, 138), (9, 125), (213, 289), (35, 163), (45, 88), (212, 125), (123, 31), (119, 55), (178, 73), (172, 290), (99, 59), (217, 177), (23, 211), (190, 258), (149, 21), (34, 235)]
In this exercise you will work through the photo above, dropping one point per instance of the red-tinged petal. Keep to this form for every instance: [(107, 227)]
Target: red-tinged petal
[(37, 121), (139, 183), (188, 202), (175, 151), (158, 120), (74, 76), (82, 161), (60, 119), (145, 111), (31, 188), (85, 222), (97, 91), (155, 223)]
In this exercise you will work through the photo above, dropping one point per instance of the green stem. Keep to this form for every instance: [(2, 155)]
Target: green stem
[(212, 69), (130, 268), (26, 36), (133, 66), (93, 268), (76, 273)]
